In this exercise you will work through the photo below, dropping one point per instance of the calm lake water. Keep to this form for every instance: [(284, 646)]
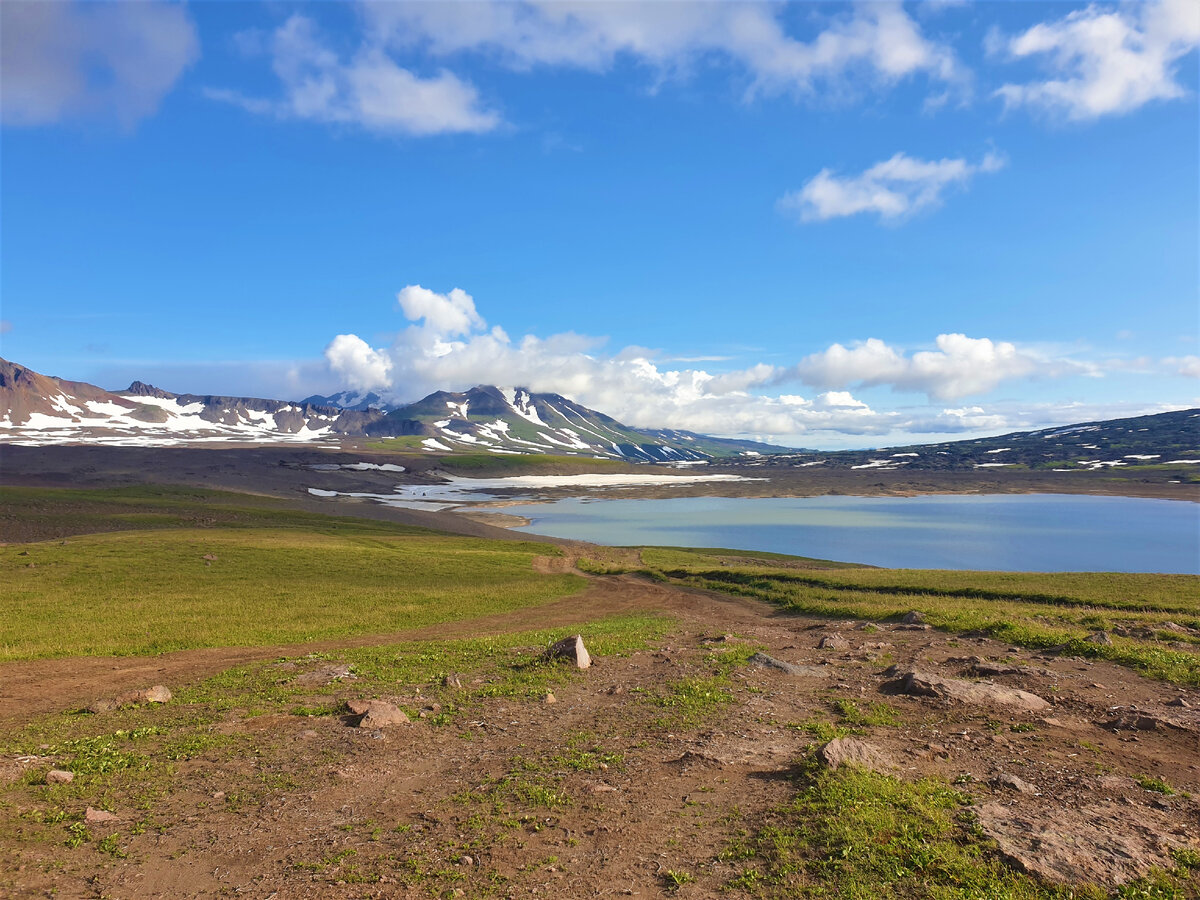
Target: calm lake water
[(1012, 532)]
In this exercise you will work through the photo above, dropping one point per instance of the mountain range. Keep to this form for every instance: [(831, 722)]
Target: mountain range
[(38, 409)]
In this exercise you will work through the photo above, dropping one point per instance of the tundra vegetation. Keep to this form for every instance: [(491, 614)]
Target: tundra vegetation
[(124, 573)]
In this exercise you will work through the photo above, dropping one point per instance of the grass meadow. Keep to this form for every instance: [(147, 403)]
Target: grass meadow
[(1152, 621), (243, 576)]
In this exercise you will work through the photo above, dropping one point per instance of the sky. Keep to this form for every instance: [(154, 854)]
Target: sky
[(827, 225)]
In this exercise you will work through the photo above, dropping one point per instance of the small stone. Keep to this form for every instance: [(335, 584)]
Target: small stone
[(377, 713), (769, 662), (913, 618), (99, 817), (157, 694), (572, 649), (848, 751), (1012, 782), (59, 776)]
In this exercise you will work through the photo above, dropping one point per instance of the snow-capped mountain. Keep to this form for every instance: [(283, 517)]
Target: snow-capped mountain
[(36, 409), (513, 420)]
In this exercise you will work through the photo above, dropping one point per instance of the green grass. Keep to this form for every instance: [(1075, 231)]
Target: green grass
[(1036, 610), (859, 834), (279, 576)]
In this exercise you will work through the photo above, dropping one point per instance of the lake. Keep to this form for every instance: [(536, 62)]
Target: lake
[(1002, 532)]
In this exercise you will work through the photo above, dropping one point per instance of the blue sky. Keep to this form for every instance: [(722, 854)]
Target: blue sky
[(827, 224)]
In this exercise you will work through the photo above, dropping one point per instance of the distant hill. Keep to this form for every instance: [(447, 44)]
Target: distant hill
[(1170, 438), (355, 400)]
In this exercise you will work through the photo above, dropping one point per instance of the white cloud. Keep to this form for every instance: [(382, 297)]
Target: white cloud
[(62, 60), (892, 189), (449, 314), (877, 42), (1104, 60), (447, 347), (960, 366), (359, 367), (1188, 366), (370, 90)]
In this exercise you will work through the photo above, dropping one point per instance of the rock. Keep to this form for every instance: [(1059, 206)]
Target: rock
[(850, 752), (903, 627), (922, 684), (377, 713), (156, 694), (913, 618), (1133, 721), (833, 641), (1179, 701), (1101, 638), (325, 675), (770, 662), (1097, 843), (59, 776), (570, 648), (1012, 782), (987, 669), (99, 817)]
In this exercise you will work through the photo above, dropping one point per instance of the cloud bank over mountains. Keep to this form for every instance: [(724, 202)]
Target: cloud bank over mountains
[(448, 345)]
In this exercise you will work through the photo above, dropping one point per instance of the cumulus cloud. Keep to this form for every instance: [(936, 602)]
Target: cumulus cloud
[(447, 345), (892, 189), (359, 367), (369, 89), (117, 61), (1104, 60), (960, 366), (450, 314), (878, 41), (1188, 366)]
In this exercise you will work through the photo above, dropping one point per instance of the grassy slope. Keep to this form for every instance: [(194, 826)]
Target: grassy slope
[(1027, 608), (279, 576)]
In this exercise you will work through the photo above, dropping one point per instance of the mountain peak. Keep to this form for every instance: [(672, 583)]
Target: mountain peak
[(141, 389)]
